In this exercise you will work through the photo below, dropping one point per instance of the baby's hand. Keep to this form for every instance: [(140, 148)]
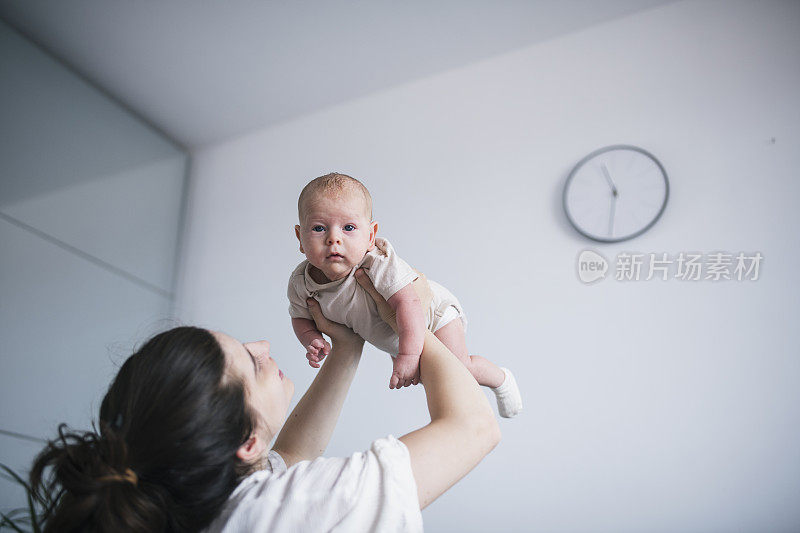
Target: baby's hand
[(317, 350), (405, 371)]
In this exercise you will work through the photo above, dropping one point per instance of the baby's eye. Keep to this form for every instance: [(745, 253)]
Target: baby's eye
[(318, 228), (349, 227)]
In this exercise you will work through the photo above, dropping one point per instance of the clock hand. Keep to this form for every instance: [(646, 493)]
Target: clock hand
[(610, 182), (611, 218)]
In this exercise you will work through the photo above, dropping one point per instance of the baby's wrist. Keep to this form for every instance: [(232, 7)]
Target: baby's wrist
[(311, 336), (410, 351)]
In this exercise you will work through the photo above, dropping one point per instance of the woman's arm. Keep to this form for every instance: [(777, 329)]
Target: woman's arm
[(308, 429), (463, 429)]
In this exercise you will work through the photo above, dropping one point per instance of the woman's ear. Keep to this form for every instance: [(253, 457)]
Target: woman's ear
[(373, 230), (252, 450), (297, 233)]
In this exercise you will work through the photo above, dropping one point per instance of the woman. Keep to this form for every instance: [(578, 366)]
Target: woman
[(185, 426)]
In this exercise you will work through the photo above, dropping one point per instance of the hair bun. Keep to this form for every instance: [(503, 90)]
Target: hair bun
[(129, 476), (90, 469)]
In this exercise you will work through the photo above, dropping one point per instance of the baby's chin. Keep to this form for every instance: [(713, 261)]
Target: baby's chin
[(338, 273)]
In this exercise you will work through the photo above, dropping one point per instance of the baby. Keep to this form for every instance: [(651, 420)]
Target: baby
[(337, 236)]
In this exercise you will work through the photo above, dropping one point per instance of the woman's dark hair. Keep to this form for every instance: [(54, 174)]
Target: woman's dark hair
[(164, 458)]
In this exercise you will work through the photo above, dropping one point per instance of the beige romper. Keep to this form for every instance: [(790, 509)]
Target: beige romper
[(344, 300)]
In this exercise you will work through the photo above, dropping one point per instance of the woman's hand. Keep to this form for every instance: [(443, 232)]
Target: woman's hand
[(384, 309), (339, 333)]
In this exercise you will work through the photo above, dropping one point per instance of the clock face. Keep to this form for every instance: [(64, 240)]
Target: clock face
[(616, 193)]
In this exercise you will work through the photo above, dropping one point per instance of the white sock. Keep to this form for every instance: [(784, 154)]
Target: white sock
[(509, 401)]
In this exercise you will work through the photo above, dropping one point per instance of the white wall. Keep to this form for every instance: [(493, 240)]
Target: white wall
[(90, 202), (650, 406)]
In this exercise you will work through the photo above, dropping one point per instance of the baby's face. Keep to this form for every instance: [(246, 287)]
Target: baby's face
[(335, 233)]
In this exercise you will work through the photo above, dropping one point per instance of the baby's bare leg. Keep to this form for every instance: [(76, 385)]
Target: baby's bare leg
[(484, 371)]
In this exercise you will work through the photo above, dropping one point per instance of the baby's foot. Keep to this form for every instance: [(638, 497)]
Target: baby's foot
[(509, 401)]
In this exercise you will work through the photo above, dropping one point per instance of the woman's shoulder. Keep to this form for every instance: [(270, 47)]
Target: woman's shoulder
[(325, 475), (376, 484)]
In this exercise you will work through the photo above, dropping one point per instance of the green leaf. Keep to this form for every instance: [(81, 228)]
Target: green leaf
[(32, 508), (11, 475), (7, 522), (15, 477)]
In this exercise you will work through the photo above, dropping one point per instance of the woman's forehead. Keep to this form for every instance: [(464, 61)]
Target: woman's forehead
[(230, 346), (223, 338)]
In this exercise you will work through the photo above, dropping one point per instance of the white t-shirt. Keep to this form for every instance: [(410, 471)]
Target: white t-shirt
[(368, 491), (344, 300)]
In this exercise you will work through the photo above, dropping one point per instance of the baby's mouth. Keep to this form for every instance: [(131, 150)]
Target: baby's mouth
[(335, 256)]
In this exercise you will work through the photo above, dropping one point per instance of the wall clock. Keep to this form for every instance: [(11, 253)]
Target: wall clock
[(616, 193)]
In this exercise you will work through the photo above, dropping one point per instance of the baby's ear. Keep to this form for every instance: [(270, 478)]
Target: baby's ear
[(297, 233), (373, 230)]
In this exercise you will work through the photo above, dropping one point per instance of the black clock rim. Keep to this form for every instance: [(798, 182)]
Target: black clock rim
[(596, 153)]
